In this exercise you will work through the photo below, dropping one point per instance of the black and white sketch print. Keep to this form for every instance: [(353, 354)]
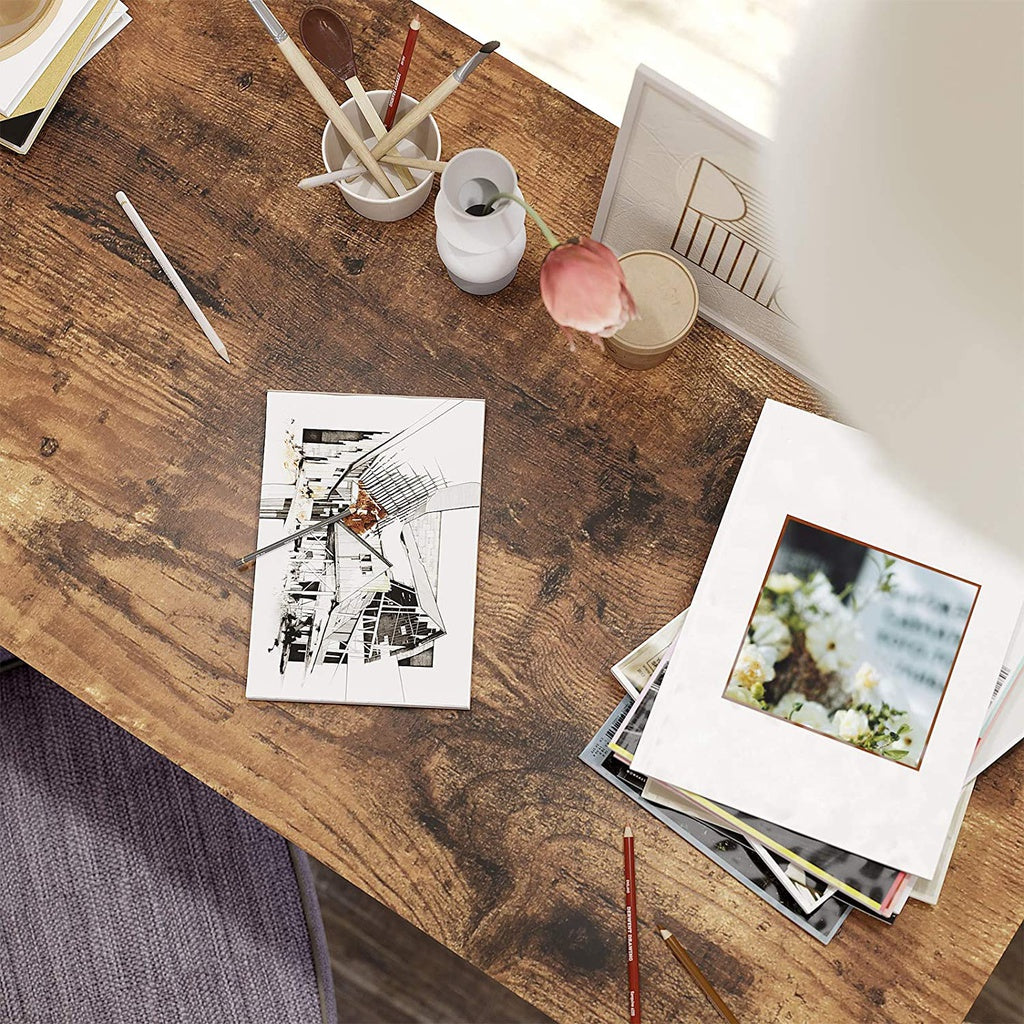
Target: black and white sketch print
[(378, 606)]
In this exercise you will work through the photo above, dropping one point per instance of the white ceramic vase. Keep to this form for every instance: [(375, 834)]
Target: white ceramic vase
[(480, 253)]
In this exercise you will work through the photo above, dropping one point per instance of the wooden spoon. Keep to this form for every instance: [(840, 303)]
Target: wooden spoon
[(329, 41)]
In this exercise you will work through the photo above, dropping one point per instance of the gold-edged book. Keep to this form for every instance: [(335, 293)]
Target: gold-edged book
[(19, 131)]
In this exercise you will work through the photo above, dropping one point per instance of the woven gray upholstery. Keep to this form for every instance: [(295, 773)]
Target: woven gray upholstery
[(130, 893)]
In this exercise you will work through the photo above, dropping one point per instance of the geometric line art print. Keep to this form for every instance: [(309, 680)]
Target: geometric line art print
[(359, 603), (724, 229)]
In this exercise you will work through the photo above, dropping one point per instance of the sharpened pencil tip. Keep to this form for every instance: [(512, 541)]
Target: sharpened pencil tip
[(627, 832), (664, 933), (490, 47)]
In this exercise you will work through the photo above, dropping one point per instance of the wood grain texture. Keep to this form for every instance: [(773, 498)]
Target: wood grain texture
[(130, 481)]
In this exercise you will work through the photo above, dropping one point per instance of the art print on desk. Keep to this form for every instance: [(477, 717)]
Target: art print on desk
[(377, 608), (687, 180), (852, 642)]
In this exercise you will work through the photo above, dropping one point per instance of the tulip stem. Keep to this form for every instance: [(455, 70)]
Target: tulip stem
[(544, 229)]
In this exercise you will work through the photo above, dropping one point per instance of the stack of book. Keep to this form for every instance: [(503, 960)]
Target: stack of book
[(42, 44), (850, 662)]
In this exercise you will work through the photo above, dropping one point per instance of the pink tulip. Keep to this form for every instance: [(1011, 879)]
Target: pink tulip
[(583, 288), (581, 282)]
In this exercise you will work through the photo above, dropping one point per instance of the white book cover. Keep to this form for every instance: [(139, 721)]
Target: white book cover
[(838, 658), (375, 607), (116, 20), (19, 72)]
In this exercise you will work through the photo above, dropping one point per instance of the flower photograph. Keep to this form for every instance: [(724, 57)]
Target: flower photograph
[(852, 642)]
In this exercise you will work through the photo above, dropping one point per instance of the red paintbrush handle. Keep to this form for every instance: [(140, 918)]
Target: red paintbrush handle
[(403, 70), (632, 939)]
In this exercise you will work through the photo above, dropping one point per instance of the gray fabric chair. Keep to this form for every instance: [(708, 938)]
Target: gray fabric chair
[(130, 893)]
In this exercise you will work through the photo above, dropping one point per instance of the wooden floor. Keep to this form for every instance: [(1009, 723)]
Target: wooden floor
[(386, 971), (1002, 999)]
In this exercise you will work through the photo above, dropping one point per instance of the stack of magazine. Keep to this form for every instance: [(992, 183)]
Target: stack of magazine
[(43, 43), (850, 662)]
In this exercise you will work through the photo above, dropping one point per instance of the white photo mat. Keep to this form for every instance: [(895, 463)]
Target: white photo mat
[(819, 471), (686, 179), (389, 619)]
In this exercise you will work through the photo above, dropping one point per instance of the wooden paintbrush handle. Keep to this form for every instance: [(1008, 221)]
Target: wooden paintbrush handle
[(397, 161), (414, 161), (372, 118), (418, 114), (329, 105)]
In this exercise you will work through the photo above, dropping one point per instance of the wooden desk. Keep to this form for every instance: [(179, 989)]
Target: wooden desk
[(130, 479)]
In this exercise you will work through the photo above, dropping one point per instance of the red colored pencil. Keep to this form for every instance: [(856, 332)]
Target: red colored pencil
[(403, 70), (632, 940)]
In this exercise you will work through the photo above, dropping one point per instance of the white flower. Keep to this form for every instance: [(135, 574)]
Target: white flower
[(832, 641), (782, 582), (809, 712), (769, 631), (787, 702), (850, 724), (812, 714), (816, 599), (865, 684), (752, 669), (743, 695), (913, 743)]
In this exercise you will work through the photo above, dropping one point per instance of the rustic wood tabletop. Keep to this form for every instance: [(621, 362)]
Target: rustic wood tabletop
[(129, 481)]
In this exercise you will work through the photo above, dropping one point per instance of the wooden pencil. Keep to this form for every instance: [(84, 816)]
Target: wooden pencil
[(632, 938), (698, 976), (403, 69)]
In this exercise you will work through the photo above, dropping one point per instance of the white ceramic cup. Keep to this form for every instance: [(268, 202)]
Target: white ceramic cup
[(363, 194)]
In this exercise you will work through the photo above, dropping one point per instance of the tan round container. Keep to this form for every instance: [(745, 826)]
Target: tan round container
[(666, 299)]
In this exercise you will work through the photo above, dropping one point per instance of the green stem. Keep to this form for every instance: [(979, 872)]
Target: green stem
[(544, 229)]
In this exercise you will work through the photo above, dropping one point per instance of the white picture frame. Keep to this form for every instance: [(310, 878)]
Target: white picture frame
[(806, 467), (687, 180)]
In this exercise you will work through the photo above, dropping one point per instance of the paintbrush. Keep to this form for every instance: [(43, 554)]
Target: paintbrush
[(431, 102), (315, 84), (329, 41), (397, 161)]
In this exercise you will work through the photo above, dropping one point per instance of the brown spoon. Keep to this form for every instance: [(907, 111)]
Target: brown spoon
[(329, 41)]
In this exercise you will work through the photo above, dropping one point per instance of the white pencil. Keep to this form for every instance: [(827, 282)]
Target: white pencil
[(179, 286)]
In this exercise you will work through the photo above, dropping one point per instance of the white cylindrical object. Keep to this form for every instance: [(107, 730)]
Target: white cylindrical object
[(480, 253), (362, 193)]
